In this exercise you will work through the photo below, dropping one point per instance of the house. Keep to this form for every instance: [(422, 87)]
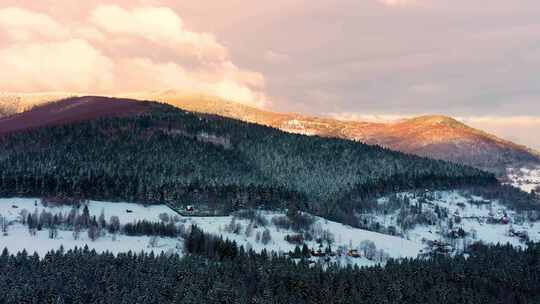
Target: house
[(353, 253), (317, 253), (439, 247)]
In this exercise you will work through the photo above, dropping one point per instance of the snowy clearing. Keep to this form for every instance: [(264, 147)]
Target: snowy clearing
[(19, 238), (526, 179), (473, 213), (482, 220)]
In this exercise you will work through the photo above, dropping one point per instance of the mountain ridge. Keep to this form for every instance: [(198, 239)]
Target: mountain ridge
[(160, 153), (434, 136)]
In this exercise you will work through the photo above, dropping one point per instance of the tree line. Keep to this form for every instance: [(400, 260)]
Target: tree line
[(490, 274)]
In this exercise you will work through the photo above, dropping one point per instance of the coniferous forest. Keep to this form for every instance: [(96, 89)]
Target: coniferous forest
[(498, 274), (168, 155)]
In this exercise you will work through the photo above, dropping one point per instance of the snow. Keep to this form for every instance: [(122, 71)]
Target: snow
[(344, 235), (527, 179), (139, 212), (18, 237), (473, 219)]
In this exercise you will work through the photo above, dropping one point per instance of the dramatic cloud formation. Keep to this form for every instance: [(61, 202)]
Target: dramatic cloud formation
[(117, 50)]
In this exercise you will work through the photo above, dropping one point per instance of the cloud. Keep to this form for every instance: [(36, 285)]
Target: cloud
[(23, 25), (161, 26), (116, 50), (396, 3), (72, 65)]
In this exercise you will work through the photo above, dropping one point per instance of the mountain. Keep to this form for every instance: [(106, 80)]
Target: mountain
[(435, 136), (70, 110), (12, 103), (146, 151)]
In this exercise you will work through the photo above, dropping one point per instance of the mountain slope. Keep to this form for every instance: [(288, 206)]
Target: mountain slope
[(13, 103), (436, 136), (69, 111), (164, 154)]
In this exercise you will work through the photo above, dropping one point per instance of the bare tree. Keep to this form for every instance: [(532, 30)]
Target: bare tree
[(249, 230), (93, 232), (114, 224), (53, 232), (266, 236), (24, 216), (4, 225), (76, 231), (368, 249), (153, 241)]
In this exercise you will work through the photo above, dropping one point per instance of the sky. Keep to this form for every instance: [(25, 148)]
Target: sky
[(475, 60)]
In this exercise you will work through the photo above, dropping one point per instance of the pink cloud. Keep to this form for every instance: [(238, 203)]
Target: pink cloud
[(72, 65), (116, 50), (23, 25), (161, 26)]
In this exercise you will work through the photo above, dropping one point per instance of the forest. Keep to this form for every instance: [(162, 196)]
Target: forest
[(489, 274), (168, 155)]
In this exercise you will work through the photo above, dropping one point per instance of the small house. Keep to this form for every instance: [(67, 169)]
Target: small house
[(353, 253)]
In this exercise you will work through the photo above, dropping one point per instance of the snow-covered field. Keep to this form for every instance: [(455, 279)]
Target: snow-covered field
[(19, 238), (344, 236), (474, 220), (527, 179)]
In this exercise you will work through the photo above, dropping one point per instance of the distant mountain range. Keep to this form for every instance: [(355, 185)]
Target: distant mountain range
[(435, 136)]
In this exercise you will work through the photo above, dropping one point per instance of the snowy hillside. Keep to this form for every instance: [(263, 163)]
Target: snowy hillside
[(446, 218), (527, 179), (18, 237), (457, 219)]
